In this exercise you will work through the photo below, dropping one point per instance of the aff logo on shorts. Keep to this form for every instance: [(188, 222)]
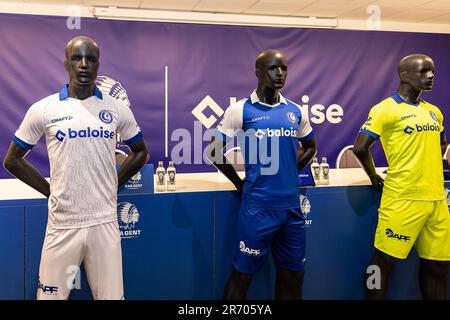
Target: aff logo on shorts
[(128, 216), (105, 116), (251, 252), (47, 290), (391, 234), (305, 208)]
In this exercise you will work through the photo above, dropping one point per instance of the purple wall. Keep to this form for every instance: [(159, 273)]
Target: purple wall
[(353, 69)]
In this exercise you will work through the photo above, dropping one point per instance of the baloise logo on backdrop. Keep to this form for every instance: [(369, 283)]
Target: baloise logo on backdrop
[(134, 182), (317, 113)]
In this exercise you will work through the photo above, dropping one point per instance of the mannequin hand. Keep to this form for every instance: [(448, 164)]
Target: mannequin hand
[(377, 182)]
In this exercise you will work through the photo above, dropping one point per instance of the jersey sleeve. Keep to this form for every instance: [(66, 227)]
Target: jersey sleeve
[(376, 122), (232, 121), (127, 126), (32, 127), (304, 131)]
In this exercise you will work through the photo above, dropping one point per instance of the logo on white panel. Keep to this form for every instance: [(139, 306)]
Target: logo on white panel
[(134, 182)]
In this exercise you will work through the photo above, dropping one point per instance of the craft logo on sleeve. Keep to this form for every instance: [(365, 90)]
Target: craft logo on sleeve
[(400, 237)]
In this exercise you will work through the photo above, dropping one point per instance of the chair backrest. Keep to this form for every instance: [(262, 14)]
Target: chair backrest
[(446, 155), (234, 157), (346, 158)]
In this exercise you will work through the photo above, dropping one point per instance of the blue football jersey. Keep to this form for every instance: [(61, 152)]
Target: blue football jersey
[(269, 138)]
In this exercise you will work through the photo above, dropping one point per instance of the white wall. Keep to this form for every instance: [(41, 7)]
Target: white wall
[(179, 16)]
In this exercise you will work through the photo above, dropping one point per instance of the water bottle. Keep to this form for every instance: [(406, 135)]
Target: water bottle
[(160, 177), (171, 173), (315, 169), (325, 171)]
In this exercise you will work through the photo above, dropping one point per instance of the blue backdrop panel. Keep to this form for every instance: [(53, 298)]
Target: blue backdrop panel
[(338, 241), (173, 255), (12, 252)]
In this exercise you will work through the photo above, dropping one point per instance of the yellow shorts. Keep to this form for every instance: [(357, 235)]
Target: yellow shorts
[(402, 223)]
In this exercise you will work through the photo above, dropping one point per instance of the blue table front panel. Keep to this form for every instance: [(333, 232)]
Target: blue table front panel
[(179, 246)]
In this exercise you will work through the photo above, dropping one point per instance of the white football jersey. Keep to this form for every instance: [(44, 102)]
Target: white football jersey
[(81, 140)]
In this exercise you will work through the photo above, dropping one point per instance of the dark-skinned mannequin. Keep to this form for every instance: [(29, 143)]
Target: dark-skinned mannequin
[(271, 72), (82, 63), (80, 124), (416, 73)]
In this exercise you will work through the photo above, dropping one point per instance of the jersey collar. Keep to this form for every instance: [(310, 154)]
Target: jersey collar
[(64, 93), (399, 99), (255, 99)]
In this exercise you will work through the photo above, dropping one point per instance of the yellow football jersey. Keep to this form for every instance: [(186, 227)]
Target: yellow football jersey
[(410, 135)]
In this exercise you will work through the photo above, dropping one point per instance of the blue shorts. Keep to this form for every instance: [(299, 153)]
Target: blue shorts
[(258, 230)]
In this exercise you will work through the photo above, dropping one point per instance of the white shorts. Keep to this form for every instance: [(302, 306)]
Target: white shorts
[(97, 247)]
